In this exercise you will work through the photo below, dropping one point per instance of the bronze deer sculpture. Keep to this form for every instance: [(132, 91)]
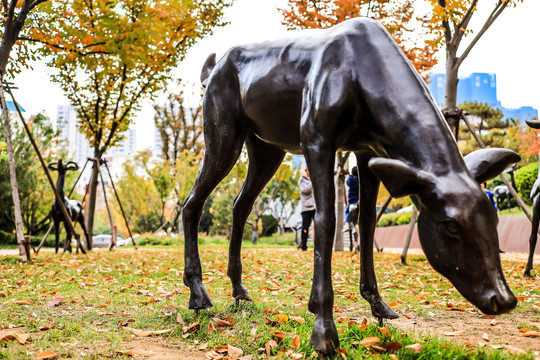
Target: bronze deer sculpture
[(347, 88), (73, 207)]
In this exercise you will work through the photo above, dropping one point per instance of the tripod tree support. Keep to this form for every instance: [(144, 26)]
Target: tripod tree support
[(25, 255), (49, 178), (379, 215), (114, 233), (409, 235), (121, 207)]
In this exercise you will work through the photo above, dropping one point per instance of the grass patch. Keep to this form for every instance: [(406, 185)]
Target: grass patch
[(87, 306)]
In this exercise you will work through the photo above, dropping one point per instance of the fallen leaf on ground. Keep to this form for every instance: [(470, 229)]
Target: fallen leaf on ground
[(414, 347), (179, 319), (203, 346), (144, 333), (22, 338), (220, 322), (485, 336), (531, 334), (283, 318), (47, 355), (385, 332), (7, 338), (370, 341), (279, 336), (298, 319), (393, 346), (378, 349), (25, 302), (455, 333), (234, 352), (295, 343), (55, 302), (128, 352)]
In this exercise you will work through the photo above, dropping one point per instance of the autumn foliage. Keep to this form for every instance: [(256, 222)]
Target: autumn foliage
[(110, 54), (397, 16)]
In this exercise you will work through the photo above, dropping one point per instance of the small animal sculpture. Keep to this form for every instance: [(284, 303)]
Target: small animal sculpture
[(73, 207), (501, 192), (535, 197), (347, 88)]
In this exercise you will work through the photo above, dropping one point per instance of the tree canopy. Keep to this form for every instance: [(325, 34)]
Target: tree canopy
[(110, 54), (398, 16)]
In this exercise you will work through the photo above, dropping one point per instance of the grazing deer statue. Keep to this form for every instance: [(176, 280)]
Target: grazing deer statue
[(535, 197), (347, 88), (73, 207)]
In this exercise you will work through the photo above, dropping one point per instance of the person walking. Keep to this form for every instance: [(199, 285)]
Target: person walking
[(353, 195), (308, 207)]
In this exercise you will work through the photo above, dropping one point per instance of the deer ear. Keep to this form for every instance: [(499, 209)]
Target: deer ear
[(485, 164), (535, 124), (52, 166), (72, 166), (399, 178)]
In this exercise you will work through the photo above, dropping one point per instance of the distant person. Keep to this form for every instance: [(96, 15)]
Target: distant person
[(353, 195), (308, 207), (490, 195)]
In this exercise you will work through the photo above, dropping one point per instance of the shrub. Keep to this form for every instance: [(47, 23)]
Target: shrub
[(525, 178), (269, 225), (394, 219), (159, 240)]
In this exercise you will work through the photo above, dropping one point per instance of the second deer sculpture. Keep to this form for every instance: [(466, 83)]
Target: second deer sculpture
[(73, 207)]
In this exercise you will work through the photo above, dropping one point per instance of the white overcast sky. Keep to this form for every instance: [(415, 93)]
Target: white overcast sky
[(509, 49)]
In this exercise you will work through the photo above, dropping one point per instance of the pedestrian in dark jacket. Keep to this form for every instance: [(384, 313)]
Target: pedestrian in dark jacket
[(308, 207), (353, 196)]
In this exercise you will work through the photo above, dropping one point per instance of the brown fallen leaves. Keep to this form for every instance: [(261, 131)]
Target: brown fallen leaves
[(47, 355), (21, 338), (145, 333), (227, 351)]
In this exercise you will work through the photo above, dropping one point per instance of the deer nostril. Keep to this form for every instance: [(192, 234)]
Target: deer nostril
[(501, 303)]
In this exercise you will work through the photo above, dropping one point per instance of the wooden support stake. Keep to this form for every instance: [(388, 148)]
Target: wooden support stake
[(121, 207)]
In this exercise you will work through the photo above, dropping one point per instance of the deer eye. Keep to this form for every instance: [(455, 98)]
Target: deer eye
[(452, 228)]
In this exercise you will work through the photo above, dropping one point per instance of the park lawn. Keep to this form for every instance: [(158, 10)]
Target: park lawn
[(102, 304)]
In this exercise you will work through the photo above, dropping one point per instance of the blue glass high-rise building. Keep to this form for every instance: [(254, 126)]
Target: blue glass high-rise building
[(479, 87)]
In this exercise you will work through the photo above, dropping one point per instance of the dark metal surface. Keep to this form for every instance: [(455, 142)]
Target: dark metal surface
[(346, 88), (535, 197), (73, 207)]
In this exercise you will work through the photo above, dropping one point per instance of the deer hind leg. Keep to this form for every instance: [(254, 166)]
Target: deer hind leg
[(224, 137), (67, 244), (264, 160), (369, 186), (56, 235), (534, 235)]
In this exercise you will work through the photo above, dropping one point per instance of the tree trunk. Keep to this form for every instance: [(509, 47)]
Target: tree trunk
[(92, 194), (25, 256), (450, 97), (339, 244)]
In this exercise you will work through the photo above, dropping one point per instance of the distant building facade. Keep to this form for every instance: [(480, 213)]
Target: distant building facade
[(479, 87), (79, 148)]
